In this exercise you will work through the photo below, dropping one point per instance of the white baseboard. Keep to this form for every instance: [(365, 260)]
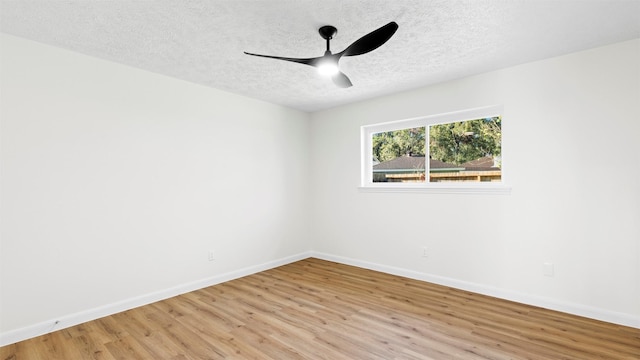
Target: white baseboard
[(45, 327), (547, 303), (66, 321)]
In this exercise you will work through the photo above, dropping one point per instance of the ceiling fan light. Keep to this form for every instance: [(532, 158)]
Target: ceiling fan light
[(328, 68)]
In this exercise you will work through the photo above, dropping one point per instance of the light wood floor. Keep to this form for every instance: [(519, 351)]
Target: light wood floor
[(314, 309)]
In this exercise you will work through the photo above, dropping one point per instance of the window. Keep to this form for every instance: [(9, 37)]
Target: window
[(456, 152)]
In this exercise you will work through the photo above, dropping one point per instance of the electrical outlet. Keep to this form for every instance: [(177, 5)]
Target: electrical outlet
[(547, 269), (211, 255), (425, 253)]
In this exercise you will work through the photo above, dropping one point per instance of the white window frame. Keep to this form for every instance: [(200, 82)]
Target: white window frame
[(367, 131)]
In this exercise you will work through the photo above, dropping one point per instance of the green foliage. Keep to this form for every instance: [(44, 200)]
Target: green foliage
[(391, 144), (464, 141), (454, 143)]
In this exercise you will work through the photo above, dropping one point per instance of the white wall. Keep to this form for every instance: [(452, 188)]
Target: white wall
[(116, 182), (571, 142)]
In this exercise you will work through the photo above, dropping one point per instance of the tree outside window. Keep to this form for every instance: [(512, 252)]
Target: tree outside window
[(462, 151)]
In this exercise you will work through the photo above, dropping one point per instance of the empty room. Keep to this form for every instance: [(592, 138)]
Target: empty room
[(319, 180)]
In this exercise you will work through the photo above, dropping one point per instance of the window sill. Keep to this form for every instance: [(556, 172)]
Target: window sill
[(484, 189)]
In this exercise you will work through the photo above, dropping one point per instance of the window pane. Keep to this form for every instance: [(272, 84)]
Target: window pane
[(398, 156), (466, 151)]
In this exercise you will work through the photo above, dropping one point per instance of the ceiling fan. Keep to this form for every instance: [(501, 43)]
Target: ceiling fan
[(328, 63)]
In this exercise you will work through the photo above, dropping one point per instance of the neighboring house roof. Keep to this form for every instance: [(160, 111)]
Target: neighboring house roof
[(405, 163), (437, 164), (401, 162), (485, 163), (412, 163)]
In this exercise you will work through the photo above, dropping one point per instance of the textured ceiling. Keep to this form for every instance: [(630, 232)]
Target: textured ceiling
[(202, 41)]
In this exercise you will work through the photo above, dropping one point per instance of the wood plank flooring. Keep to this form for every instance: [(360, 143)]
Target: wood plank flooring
[(315, 309)]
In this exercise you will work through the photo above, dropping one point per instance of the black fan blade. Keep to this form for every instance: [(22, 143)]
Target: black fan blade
[(310, 61), (371, 41), (341, 80)]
